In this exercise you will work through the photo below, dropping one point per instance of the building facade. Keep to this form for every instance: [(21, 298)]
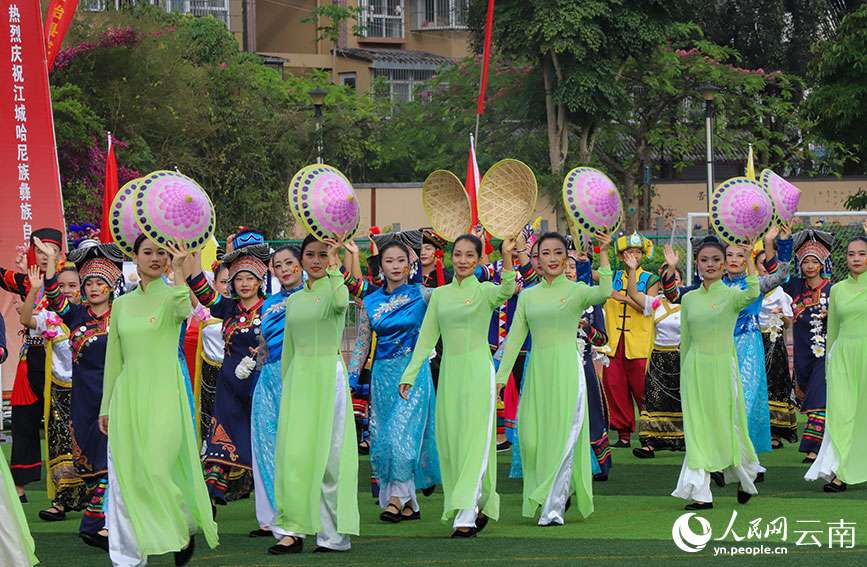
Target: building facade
[(395, 45)]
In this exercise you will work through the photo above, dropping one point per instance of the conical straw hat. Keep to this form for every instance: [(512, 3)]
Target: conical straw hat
[(446, 204), (507, 198)]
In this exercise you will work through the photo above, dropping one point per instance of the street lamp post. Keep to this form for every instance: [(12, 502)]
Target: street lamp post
[(318, 96), (708, 93)]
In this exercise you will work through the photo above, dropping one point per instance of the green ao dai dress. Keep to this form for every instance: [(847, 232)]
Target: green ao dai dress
[(555, 439), (316, 461), (157, 494), (714, 414), (460, 312), (844, 447)]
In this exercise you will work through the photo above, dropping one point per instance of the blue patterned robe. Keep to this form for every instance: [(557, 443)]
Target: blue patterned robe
[(402, 442)]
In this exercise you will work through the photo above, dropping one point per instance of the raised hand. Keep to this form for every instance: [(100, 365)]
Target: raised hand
[(631, 262), (49, 251), (34, 274), (604, 241), (772, 233), (351, 247), (786, 230), (671, 257)]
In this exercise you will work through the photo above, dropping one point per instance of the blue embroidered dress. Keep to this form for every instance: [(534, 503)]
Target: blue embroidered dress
[(266, 403), (403, 451)]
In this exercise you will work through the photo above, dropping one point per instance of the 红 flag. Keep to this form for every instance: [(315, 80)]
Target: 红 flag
[(109, 191)]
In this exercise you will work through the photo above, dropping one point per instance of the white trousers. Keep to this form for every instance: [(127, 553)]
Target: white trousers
[(561, 490), (328, 535), (694, 484), (466, 518)]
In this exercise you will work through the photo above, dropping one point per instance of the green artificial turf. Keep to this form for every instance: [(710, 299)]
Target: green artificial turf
[(632, 524)]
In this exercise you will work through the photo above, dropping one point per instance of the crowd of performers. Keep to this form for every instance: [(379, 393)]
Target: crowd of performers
[(232, 381)]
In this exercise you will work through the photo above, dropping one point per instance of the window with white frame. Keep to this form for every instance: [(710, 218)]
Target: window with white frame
[(440, 14), (381, 18), (401, 85), (219, 9)]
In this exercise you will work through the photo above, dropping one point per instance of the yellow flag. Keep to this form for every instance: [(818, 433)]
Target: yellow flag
[(751, 167), (209, 254)]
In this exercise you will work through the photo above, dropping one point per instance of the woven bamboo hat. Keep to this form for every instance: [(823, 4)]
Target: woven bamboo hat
[(446, 204), (507, 198)]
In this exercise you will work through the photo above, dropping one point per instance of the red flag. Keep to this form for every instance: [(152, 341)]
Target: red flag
[(486, 58), (109, 192), (57, 21), (472, 182)]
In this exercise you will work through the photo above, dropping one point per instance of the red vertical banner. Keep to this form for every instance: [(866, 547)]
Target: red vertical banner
[(486, 58), (29, 172), (109, 192), (57, 21)]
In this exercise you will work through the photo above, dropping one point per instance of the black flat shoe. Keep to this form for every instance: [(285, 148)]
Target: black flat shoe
[(601, 477), (644, 453), (471, 532), (98, 541), (413, 514), (296, 547), (261, 533), (809, 460), (481, 522), (718, 478), (390, 517), (621, 444), (49, 516), (320, 549), (743, 497), (834, 488), (429, 490), (699, 506), (23, 499), (760, 477), (183, 556), (775, 444), (504, 446)]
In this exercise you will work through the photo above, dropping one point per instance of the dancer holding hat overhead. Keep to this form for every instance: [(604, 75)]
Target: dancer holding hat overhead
[(27, 390), (228, 444), (100, 271), (555, 441), (157, 494), (466, 399), (316, 463)]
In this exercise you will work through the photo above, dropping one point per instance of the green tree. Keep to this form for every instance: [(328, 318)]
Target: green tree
[(579, 49), (838, 102), (177, 91)]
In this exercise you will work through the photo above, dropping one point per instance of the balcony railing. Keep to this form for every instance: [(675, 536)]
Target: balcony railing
[(440, 14), (381, 18), (219, 9)]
